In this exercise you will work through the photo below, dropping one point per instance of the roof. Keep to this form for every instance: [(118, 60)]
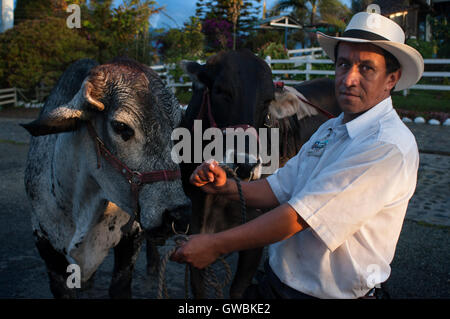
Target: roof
[(281, 21)]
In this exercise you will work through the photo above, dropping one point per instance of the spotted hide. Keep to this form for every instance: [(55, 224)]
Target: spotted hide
[(81, 204)]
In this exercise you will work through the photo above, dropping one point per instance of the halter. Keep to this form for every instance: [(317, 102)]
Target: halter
[(135, 178), (206, 108)]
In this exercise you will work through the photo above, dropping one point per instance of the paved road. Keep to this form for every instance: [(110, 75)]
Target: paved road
[(421, 267)]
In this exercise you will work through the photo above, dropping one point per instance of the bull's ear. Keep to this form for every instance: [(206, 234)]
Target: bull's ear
[(63, 118), (287, 103), (59, 120), (196, 72), (284, 105)]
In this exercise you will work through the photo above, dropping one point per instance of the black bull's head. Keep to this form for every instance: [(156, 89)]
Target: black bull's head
[(239, 86)]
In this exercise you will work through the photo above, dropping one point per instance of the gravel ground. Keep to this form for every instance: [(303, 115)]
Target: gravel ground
[(421, 267)]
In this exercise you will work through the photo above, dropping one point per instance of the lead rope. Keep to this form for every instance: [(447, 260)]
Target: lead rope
[(208, 274), (239, 187)]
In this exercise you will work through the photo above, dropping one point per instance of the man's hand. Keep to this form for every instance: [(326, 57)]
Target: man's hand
[(210, 177), (203, 249), (199, 251)]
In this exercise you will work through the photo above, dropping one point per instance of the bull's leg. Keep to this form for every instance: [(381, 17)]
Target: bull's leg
[(152, 258), (125, 255), (197, 282), (57, 269), (247, 265)]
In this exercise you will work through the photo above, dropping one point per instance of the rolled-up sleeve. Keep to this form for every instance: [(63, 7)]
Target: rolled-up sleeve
[(340, 198), (283, 181)]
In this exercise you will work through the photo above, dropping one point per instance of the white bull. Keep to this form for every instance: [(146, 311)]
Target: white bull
[(80, 201)]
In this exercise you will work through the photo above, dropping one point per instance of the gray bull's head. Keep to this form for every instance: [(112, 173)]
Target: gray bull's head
[(134, 114)]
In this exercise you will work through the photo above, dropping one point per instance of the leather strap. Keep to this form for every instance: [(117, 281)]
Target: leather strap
[(135, 178)]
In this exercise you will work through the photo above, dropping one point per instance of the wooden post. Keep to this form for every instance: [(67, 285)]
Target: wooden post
[(308, 67)]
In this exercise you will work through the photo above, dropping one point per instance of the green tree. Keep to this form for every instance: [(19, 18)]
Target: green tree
[(37, 9), (234, 11), (242, 14), (122, 30), (312, 11), (38, 51), (359, 5), (185, 43), (335, 13), (441, 35)]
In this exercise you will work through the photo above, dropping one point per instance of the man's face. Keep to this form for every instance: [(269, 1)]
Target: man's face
[(361, 81)]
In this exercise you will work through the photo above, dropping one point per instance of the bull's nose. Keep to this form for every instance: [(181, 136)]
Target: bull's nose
[(246, 170)]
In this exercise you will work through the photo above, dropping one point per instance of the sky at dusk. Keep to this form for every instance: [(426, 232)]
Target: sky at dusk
[(181, 10)]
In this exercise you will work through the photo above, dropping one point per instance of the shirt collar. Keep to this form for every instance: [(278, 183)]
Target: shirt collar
[(368, 118)]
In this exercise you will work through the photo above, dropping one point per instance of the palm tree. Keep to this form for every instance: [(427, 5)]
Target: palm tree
[(330, 10), (360, 5), (299, 8)]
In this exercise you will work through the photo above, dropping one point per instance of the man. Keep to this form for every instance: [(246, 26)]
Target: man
[(338, 206)]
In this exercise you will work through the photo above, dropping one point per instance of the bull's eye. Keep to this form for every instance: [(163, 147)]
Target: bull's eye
[(122, 129)]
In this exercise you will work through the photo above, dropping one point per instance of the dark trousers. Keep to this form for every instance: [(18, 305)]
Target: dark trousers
[(270, 287)]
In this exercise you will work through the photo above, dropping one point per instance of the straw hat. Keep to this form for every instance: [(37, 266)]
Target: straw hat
[(365, 27)]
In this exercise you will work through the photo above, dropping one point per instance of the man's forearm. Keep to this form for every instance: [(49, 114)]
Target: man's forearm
[(257, 193), (273, 226)]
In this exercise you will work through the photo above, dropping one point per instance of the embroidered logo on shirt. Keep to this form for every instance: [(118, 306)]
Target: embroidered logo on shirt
[(318, 147)]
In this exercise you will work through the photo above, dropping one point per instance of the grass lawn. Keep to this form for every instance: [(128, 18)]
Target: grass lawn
[(423, 101)]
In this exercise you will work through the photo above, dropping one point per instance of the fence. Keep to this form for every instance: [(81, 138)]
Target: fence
[(163, 71), (8, 96), (303, 53), (308, 58), (308, 62)]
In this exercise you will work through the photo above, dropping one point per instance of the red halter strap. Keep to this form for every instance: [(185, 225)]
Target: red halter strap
[(206, 108), (135, 178)]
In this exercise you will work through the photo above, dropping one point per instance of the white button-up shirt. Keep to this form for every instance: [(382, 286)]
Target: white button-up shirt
[(351, 183)]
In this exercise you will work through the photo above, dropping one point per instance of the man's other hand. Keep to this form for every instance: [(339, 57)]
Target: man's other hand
[(210, 177)]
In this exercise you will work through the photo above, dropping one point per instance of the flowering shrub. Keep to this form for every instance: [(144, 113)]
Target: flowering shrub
[(218, 33)]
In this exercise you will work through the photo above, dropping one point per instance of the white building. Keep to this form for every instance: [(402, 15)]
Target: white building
[(7, 15)]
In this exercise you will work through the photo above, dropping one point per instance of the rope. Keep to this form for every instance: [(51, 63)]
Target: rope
[(162, 285), (241, 194), (208, 274)]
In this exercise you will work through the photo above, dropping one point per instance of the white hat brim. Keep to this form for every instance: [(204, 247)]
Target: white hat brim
[(410, 59)]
